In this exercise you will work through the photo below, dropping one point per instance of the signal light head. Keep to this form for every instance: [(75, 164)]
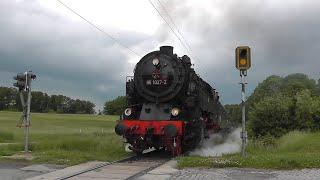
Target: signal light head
[(243, 58), (20, 77), (24, 80)]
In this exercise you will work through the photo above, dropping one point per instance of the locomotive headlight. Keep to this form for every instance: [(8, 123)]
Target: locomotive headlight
[(128, 111), (155, 62), (175, 111)]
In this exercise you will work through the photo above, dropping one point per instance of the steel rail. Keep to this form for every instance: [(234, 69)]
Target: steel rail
[(141, 173), (96, 167)]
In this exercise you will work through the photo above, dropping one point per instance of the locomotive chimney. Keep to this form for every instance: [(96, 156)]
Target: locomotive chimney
[(167, 50)]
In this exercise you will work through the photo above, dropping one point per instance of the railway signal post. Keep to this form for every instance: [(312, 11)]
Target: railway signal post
[(24, 85), (243, 63)]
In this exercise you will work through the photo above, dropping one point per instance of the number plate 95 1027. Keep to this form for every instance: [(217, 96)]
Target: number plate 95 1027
[(156, 82)]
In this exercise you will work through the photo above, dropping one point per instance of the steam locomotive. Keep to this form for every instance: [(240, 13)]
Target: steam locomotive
[(168, 105)]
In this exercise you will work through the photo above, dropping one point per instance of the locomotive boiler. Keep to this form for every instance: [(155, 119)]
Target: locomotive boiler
[(168, 105)]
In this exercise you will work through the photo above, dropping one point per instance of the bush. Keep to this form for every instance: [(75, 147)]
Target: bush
[(304, 110), (282, 104), (271, 116)]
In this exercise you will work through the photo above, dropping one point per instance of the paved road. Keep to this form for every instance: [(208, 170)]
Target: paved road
[(20, 170), (11, 171), (17, 171), (246, 174)]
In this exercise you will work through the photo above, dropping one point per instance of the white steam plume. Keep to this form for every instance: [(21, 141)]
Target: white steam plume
[(217, 145)]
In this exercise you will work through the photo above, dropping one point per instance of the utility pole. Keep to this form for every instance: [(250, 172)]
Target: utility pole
[(243, 63), (24, 85)]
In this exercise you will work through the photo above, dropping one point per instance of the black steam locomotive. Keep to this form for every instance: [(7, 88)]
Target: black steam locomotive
[(168, 105)]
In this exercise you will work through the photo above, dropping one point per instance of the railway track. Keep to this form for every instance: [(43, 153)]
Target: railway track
[(128, 168)]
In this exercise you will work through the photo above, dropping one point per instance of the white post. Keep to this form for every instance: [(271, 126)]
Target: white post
[(27, 123), (243, 100)]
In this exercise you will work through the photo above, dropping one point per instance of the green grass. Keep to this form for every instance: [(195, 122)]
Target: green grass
[(6, 136), (295, 150), (62, 138)]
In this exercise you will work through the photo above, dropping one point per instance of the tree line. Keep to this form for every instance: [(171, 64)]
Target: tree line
[(42, 102), (115, 106), (281, 104)]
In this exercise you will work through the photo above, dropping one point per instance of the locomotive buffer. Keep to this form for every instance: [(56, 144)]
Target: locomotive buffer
[(243, 63)]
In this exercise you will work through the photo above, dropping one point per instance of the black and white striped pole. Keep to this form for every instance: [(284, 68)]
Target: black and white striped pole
[(243, 63), (24, 85)]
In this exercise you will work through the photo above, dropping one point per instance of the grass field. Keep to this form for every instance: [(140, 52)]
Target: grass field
[(71, 139), (62, 138), (293, 151)]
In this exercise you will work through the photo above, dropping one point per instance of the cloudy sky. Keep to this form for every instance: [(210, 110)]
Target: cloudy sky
[(72, 58)]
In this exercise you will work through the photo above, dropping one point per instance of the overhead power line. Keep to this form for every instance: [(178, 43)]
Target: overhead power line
[(173, 23), (173, 31), (101, 30)]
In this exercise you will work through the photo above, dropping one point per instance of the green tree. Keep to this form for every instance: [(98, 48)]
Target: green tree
[(304, 110), (316, 112), (271, 116), (318, 88), (234, 113), (39, 102), (8, 98), (115, 106), (300, 104), (289, 85), (294, 83), (42, 102), (270, 86), (53, 102)]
